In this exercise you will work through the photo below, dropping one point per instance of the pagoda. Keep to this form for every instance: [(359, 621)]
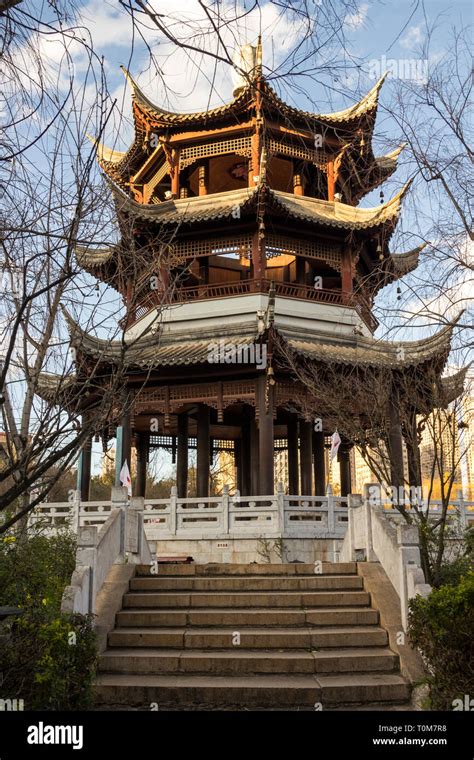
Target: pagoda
[(240, 229)]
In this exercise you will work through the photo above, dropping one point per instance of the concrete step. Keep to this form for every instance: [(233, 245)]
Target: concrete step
[(178, 691), (250, 638), (248, 617), (238, 661), (246, 599), (256, 583), (283, 570)]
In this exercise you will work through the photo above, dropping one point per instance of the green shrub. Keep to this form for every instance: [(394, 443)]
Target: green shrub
[(47, 658), (36, 569), (441, 627), (49, 662)]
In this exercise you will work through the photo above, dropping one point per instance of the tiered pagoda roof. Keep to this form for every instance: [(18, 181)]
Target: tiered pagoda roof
[(172, 212)]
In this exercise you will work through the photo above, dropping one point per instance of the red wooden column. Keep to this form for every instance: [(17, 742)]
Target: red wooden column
[(254, 458), (297, 185), (346, 275), (245, 459), (413, 451), (141, 442), (306, 459), (343, 457), (182, 456), (203, 178), (203, 451), (292, 438), (238, 463), (175, 172), (265, 436), (331, 182), (319, 464), (395, 440), (84, 469)]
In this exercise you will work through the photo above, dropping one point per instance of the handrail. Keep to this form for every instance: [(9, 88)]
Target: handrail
[(260, 285)]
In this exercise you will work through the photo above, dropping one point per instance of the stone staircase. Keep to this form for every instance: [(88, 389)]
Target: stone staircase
[(248, 637)]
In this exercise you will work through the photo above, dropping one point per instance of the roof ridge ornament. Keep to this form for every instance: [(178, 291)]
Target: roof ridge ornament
[(247, 65)]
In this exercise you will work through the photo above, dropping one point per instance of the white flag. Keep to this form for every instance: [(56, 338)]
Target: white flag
[(125, 478), (335, 443)]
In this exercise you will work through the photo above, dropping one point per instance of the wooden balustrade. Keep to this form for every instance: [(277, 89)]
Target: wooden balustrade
[(243, 287)]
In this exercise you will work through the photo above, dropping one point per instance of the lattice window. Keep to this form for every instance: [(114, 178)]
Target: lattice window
[(239, 145), (236, 246), (317, 157), (276, 245)]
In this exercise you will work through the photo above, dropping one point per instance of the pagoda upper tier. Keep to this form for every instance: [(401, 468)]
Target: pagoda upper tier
[(322, 154)]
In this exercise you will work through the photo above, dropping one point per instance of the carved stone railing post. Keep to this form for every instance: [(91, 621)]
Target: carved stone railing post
[(75, 521), (281, 508), (462, 509), (225, 509), (331, 518), (173, 512)]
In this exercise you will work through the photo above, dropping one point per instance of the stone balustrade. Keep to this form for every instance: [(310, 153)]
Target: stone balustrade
[(373, 536), (120, 538), (273, 516)]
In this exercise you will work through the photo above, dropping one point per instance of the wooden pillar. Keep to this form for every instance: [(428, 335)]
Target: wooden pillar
[(306, 459), (203, 174), (258, 256), (413, 452), (346, 274), (182, 456), (297, 185), (204, 270), (123, 446), (203, 451), (245, 453), (300, 271), (84, 470), (142, 457), (319, 464), (238, 463), (254, 458), (331, 182), (292, 448), (395, 441), (343, 456), (175, 173), (265, 437), (254, 164)]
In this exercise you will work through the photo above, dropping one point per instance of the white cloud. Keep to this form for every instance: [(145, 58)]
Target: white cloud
[(357, 20), (412, 38)]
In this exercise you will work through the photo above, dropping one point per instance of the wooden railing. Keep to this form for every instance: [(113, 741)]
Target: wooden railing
[(244, 287)]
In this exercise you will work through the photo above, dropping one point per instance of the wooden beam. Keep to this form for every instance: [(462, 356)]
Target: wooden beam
[(187, 137)]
